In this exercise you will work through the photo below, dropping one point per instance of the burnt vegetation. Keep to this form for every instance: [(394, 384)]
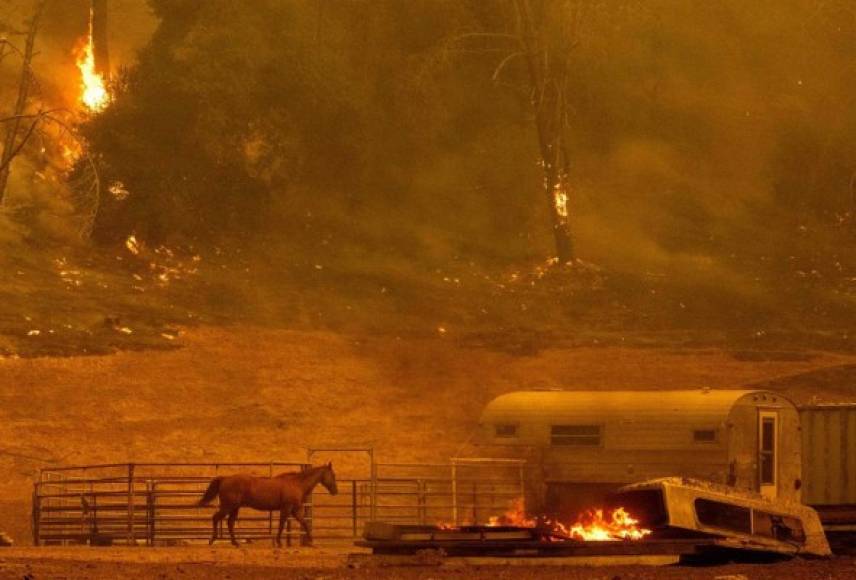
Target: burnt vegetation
[(414, 166)]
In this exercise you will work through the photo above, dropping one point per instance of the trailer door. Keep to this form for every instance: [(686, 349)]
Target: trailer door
[(768, 444)]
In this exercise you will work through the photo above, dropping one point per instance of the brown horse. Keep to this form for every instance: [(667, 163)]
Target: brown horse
[(285, 493)]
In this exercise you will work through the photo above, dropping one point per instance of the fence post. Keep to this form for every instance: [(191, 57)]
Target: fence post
[(131, 540), (454, 494), (373, 506), (150, 512), (475, 504), (421, 501), (37, 515), (354, 506)]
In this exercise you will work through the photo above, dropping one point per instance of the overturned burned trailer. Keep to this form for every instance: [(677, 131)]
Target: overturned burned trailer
[(586, 444), (681, 517), (736, 519)]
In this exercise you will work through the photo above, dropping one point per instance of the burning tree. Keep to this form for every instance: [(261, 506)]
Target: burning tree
[(61, 151), (544, 31), (540, 35)]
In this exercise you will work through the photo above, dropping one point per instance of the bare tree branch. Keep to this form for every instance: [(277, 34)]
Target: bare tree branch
[(501, 35), (10, 149), (10, 156), (93, 184), (498, 70)]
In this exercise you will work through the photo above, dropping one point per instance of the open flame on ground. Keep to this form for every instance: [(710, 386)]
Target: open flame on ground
[(593, 525)]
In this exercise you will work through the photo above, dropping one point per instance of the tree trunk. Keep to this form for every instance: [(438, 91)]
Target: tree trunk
[(11, 137), (546, 80), (100, 39)]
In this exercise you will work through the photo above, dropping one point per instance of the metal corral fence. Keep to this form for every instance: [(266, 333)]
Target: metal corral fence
[(464, 491), (156, 503)]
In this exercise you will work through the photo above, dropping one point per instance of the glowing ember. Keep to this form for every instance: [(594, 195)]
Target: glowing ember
[(560, 198), (133, 245), (94, 95)]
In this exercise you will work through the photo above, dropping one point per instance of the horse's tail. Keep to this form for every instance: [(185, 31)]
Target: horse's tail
[(212, 491)]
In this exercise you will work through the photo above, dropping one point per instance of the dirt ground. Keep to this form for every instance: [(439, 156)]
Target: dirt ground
[(332, 563)]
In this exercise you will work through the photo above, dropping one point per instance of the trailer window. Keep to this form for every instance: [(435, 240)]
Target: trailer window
[(725, 516), (584, 435), (704, 435), (767, 451), (506, 430), (783, 528)]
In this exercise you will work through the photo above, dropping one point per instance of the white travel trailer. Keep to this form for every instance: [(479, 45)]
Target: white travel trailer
[(588, 443)]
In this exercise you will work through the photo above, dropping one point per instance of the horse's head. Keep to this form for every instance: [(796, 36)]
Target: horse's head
[(328, 479)]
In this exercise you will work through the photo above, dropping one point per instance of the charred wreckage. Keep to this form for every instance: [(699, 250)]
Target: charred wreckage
[(673, 516)]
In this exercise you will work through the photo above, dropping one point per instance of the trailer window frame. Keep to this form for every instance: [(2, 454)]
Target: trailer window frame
[(748, 520), (709, 436), (506, 430), (783, 528), (576, 435), (722, 515), (768, 427)]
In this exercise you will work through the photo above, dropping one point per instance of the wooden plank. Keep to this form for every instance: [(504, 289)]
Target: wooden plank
[(537, 548), (380, 561)]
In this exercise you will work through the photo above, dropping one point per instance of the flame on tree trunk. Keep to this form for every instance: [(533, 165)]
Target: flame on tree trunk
[(100, 45), (547, 77), (93, 60)]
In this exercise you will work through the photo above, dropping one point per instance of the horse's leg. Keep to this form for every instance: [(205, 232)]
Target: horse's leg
[(231, 523), (215, 521), (283, 518), (298, 513)]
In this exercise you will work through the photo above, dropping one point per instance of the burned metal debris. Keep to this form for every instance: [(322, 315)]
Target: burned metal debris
[(687, 518)]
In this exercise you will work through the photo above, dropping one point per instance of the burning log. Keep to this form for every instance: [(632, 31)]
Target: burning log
[(591, 525)]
